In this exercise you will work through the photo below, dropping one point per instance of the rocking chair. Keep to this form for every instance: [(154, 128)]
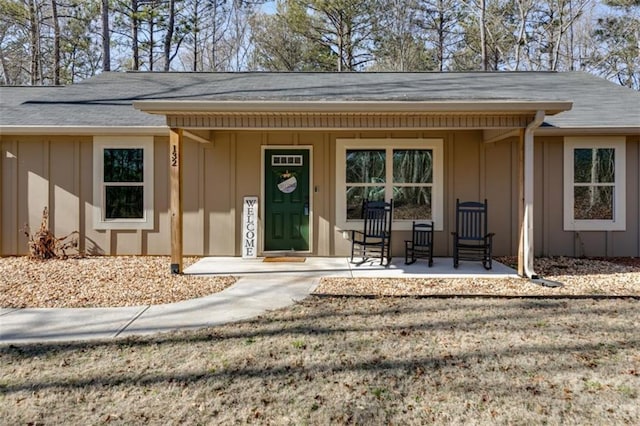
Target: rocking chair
[(375, 238), (471, 241), (420, 245)]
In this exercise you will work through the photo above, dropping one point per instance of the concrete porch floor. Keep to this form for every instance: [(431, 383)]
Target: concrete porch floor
[(341, 267)]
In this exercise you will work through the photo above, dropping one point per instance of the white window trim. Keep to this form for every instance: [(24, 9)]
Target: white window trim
[(437, 192), (100, 143), (619, 208)]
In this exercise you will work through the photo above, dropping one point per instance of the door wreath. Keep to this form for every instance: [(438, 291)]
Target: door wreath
[(287, 182)]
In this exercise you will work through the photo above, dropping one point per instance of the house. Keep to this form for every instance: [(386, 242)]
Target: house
[(164, 163)]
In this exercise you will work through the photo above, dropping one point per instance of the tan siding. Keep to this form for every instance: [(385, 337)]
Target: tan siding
[(2, 202), (540, 190), (219, 195), (92, 241), (65, 182), (550, 238), (466, 167), (10, 223), (464, 170), (324, 207), (125, 242), (58, 171), (158, 240), (319, 227), (498, 184), (247, 174), (279, 138), (623, 243), (32, 181), (192, 202)]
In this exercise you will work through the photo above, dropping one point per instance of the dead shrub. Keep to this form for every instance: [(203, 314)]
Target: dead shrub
[(44, 245)]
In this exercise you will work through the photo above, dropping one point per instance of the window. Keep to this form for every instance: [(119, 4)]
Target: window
[(594, 184), (123, 182), (407, 170), (286, 160)]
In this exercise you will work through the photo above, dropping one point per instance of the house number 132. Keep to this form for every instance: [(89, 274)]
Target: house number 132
[(174, 156)]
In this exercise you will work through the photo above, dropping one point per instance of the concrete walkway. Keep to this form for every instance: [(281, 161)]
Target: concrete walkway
[(261, 287)]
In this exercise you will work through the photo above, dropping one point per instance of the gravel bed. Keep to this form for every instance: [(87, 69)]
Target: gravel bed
[(146, 280), (99, 282), (581, 277)]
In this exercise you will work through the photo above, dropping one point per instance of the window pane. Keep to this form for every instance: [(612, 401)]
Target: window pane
[(593, 202), (594, 165), (123, 165), (356, 195), (365, 166), (124, 202), (410, 202), (413, 166)]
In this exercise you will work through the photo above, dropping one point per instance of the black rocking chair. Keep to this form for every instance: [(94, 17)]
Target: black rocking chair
[(471, 241), (421, 244), (375, 238)]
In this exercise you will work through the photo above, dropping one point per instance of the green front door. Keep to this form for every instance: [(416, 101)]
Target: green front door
[(286, 204)]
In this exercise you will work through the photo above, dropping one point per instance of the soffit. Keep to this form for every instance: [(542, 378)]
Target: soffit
[(349, 115), (329, 121)]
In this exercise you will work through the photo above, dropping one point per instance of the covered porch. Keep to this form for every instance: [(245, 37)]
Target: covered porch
[(514, 120)]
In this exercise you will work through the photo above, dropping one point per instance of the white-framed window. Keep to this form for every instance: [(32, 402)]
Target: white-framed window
[(594, 183), (409, 171), (123, 182)]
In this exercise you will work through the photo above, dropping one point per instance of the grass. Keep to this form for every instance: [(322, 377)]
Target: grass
[(349, 361)]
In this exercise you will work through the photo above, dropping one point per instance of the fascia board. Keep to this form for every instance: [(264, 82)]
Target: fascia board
[(489, 106), (577, 131), (85, 130)]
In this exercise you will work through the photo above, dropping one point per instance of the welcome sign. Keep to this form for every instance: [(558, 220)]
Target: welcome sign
[(250, 228)]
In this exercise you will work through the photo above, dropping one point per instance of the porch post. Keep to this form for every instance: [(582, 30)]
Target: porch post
[(175, 185), (521, 204), (526, 171)]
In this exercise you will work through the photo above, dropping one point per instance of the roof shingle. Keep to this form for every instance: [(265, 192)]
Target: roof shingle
[(106, 100)]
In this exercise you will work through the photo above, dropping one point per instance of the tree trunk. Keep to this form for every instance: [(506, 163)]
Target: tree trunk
[(523, 12), (340, 44), (5, 74), (558, 38), (152, 41), (169, 35), (441, 35), (483, 34), (196, 28), (56, 43), (106, 38), (34, 41), (135, 22)]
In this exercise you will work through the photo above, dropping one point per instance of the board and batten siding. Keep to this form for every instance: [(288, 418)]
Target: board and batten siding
[(39, 172), (57, 171), (551, 238)]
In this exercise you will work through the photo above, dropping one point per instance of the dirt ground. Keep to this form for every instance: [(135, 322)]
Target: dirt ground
[(346, 360)]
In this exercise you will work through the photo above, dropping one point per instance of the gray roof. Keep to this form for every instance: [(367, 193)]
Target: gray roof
[(106, 100)]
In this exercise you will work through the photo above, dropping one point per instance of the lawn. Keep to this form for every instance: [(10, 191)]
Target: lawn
[(492, 360)]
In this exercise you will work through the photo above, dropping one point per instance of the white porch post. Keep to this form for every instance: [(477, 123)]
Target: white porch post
[(175, 203), (525, 252)]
